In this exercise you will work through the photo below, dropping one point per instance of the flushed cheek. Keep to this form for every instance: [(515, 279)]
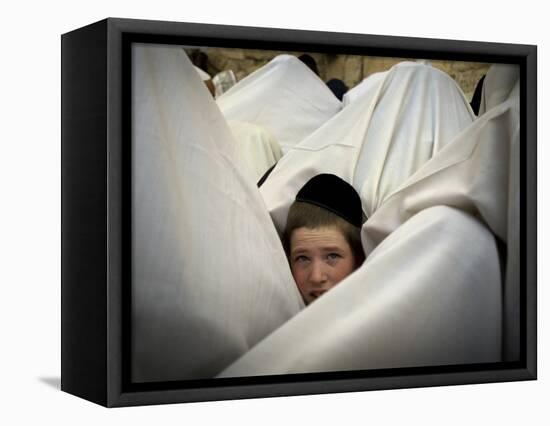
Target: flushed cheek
[(343, 269), (303, 284), (299, 278), (342, 274)]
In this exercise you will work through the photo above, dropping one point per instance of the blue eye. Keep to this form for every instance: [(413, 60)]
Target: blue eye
[(301, 259), (333, 256)]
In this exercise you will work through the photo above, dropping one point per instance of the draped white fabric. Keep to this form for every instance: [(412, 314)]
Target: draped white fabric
[(478, 173), (285, 97), (501, 83), (430, 291), (471, 173), (428, 295), (211, 287), (376, 142), (257, 148), (202, 74), (209, 276), (365, 86)]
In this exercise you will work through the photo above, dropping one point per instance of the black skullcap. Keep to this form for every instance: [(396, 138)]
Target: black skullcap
[(335, 195)]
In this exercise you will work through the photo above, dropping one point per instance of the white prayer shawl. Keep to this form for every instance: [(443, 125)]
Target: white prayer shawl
[(501, 83), (477, 173), (430, 290), (471, 174), (256, 147), (365, 86), (285, 97), (210, 280), (375, 143), (209, 276), (428, 295)]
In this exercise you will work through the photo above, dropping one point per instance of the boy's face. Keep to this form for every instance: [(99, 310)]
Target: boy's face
[(319, 259)]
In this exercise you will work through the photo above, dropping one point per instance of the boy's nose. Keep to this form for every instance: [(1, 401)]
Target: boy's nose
[(318, 273)]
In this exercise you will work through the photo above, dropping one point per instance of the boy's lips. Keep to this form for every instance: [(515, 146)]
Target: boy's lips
[(317, 293)]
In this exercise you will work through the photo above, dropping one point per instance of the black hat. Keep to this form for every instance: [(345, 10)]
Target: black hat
[(335, 195)]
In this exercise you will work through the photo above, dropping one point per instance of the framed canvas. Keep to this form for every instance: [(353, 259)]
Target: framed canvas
[(185, 145)]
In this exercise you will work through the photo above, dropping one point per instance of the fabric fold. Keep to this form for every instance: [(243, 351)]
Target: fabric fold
[(376, 142), (212, 293), (428, 295), (209, 275), (285, 97)]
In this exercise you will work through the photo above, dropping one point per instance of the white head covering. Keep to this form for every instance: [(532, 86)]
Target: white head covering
[(285, 97)]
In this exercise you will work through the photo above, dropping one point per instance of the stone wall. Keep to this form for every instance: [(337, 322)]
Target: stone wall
[(349, 68)]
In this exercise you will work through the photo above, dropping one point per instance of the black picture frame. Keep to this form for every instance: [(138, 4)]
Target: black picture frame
[(95, 211)]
